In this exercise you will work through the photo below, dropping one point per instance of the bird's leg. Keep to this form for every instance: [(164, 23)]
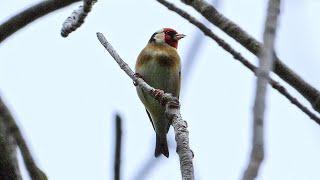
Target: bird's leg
[(158, 93), (138, 76)]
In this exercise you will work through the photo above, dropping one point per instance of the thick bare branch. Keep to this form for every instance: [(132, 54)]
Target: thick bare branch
[(76, 19), (14, 131), (172, 112), (236, 55), (117, 152), (265, 66), (247, 41), (27, 16)]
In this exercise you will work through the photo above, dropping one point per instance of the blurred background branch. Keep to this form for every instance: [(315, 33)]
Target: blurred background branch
[(265, 66), (13, 130), (117, 152), (254, 46), (8, 155), (30, 14)]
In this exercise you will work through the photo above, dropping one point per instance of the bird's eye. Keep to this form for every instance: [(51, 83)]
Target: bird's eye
[(170, 33)]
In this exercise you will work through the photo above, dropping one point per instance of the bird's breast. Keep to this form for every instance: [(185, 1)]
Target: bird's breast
[(160, 56)]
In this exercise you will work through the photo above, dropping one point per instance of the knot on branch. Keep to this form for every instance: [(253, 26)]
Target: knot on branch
[(172, 109)]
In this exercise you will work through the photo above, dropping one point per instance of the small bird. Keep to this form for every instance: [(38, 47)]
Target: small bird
[(158, 64)]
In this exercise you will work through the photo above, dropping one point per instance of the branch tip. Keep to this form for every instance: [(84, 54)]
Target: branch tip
[(77, 17)]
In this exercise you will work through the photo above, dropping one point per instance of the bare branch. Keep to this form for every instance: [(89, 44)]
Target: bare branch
[(172, 112), (29, 15), (265, 66), (234, 31), (13, 129), (13, 148), (117, 152), (76, 19), (236, 55), (8, 170)]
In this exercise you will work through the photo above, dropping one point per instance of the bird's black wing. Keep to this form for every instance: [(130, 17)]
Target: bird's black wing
[(150, 118)]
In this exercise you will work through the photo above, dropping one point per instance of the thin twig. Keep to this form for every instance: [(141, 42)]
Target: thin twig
[(27, 16), (254, 46), (76, 19), (172, 112), (13, 129), (265, 66), (117, 152), (236, 55)]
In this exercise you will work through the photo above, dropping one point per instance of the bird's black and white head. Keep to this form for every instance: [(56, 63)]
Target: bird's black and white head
[(168, 36)]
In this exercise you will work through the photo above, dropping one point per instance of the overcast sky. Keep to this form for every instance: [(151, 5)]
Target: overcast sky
[(64, 92)]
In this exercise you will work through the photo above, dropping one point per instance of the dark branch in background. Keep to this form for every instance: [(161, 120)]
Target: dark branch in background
[(236, 55), (117, 152), (13, 130), (172, 111), (8, 170), (265, 66), (193, 50), (76, 19), (27, 16), (254, 46)]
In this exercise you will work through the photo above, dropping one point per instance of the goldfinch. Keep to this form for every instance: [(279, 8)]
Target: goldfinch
[(159, 65)]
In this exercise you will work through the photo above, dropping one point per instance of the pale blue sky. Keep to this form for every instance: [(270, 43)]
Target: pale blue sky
[(64, 92)]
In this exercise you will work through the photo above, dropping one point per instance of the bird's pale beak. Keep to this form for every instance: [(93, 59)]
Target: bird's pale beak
[(179, 36)]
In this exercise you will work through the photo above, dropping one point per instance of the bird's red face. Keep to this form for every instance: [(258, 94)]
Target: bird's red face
[(167, 35)]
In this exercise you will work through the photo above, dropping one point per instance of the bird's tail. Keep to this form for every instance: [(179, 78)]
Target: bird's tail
[(161, 146)]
